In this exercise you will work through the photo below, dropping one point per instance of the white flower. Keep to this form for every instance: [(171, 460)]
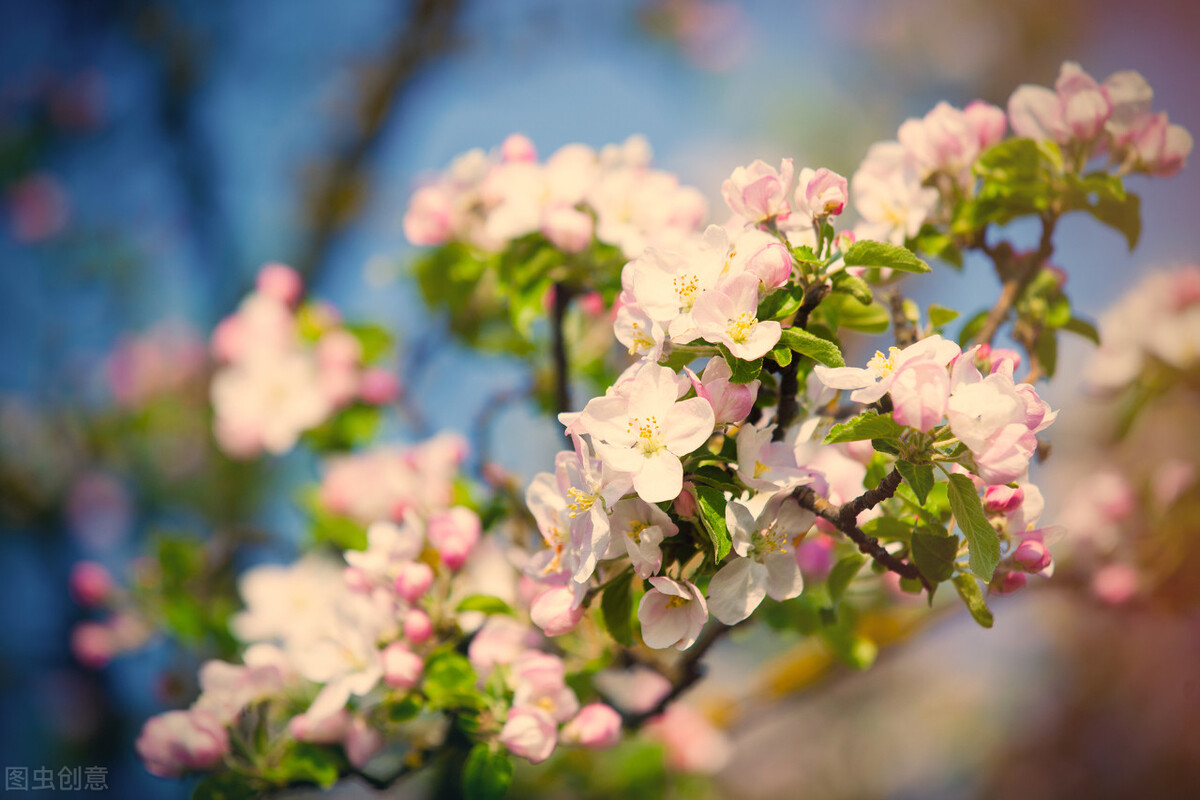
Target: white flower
[(765, 530)]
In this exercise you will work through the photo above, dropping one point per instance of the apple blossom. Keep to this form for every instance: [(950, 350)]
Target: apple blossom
[(401, 667), (891, 201), (555, 611), (90, 583), (530, 733), (645, 432), (765, 530), (638, 531), (759, 192), (181, 741), (672, 614), (820, 193), (454, 534), (727, 315), (361, 742), (596, 726)]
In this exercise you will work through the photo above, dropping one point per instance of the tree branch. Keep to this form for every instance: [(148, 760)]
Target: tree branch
[(1017, 275), (562, 366), (789, 382), (844, 518)]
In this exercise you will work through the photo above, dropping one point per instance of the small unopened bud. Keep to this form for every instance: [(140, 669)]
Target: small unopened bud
[(1003, 499), (401, 667), (362, 742), (413, 579), (1032, 556), (1007, 582), (597, 726), (90, 583), (417, 626), (379, 387), (280, 282), (685, 503), (553, 611)]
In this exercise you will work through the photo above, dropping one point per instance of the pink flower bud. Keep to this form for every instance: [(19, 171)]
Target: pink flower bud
[(568, 228), (597, 726), (553, 611), (362, 742), (685, 503), (454, 534), (417, 626), (401, 667), (1162, 148), (1032, 556), (1115, 584), (181, 741), (1004, 582), (814, 556), (379, 387), (413, 579), (529, 733), (772, 264), (518, 147), (826, 193), (280, 282), (592, 304), (1003, 499), (93, 644), (90, 583), (329, 729), (229, 339)]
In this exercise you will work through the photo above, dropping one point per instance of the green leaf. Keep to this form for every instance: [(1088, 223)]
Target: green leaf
[(934, 555), (742, 371), (405, 709), (1081, 327), (782, 355), (1010, 161), (449, 681), (1104, 197), (972, 595), (374, 340), (816, 348), (486, 775), (888, 529), (940, 315), (842, 573), (711, 503), (972, 327), (487, 604), (1047, 351), (982, 540), (853, 315), (311, 763), (854, 286), (616, 604), (939, 245), (883, 254), (917, 476), (868, 425)]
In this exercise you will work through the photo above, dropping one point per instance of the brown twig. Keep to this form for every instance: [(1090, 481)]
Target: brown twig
[(1017, 274), (562, 375), (789, 382), (845, 517)]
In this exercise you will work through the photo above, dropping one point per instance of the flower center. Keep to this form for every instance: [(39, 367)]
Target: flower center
[(740, 327), (640, 340), (676, 601), (648, 432), (883, 365), (635, 531), (581, 501), (686, 286)]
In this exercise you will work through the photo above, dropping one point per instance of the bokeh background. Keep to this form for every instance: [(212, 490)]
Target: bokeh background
[(153, 155)]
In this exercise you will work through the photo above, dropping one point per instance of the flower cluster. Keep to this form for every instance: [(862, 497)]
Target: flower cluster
[(995, 418), (1157, 322), (899, 184), (286, 368), (1112, 117), (578, 194)]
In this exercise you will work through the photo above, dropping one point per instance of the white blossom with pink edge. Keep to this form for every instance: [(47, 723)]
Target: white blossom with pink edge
[(672, 614), (727, 315), (638, 530), (182, 741), (643, 431), (765, 530)]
